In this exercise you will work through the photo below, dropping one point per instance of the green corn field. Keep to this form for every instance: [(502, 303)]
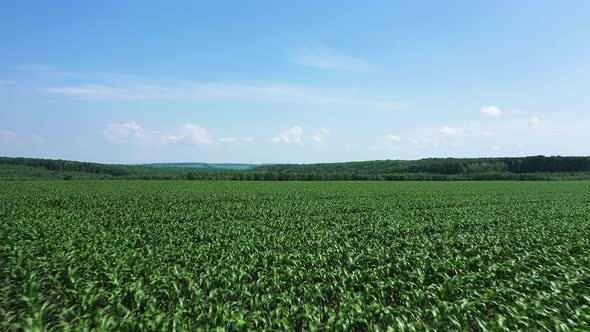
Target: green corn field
[(377, 256)]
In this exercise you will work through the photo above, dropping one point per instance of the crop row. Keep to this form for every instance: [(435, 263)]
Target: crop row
[(134, 255)]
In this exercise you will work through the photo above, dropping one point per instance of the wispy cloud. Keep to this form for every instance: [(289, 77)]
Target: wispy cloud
[(237, 91), (195, 134), (535, 122), (491, 111), (247, 139), (6, 134), (116, 131), (320, 134), (280, 93), (538, 136), (293, 135), (88, 91), (10, 136), (124, 87), (392, 142), (392, 138), (450, 131), (454, 137), (274, 92), (134, 132), (325, 58)]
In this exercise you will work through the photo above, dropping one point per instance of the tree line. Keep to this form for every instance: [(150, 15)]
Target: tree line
[(433, 169), (447, 166)]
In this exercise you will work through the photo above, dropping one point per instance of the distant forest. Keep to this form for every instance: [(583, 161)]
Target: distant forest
[(439, 169), (448, 166)]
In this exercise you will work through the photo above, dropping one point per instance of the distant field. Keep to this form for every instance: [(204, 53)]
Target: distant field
[(158, 255)]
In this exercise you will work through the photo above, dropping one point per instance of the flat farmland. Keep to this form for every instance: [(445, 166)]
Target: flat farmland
[(190, 255)]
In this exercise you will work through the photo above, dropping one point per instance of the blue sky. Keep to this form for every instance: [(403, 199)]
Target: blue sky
[(300, 81)]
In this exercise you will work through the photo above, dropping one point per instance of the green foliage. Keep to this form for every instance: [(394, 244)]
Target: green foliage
[(32, 168), (450, 169), (157, 255), (446, 166)]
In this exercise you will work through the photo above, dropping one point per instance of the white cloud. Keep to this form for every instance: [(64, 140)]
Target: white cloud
[(3, 82), (324, 58), (425, 141), (392, 138), (293, 135), (320, 134), (273, 92), (447, 136), (88, 91), (117, 131), (247, 139), (508, 137), (195, 134), (134, 132), (123, 87), (392, 141), (6, 135), (450, 131), (491, 111)]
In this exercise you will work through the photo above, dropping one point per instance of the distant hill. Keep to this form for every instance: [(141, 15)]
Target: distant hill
[(34, 168), (37, 168), (520, 168), (205, 165)]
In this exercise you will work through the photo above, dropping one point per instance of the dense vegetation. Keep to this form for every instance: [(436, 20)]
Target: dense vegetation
[(33, 168), (51, 168), (526, 168), (150, 255), (447, 166)]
